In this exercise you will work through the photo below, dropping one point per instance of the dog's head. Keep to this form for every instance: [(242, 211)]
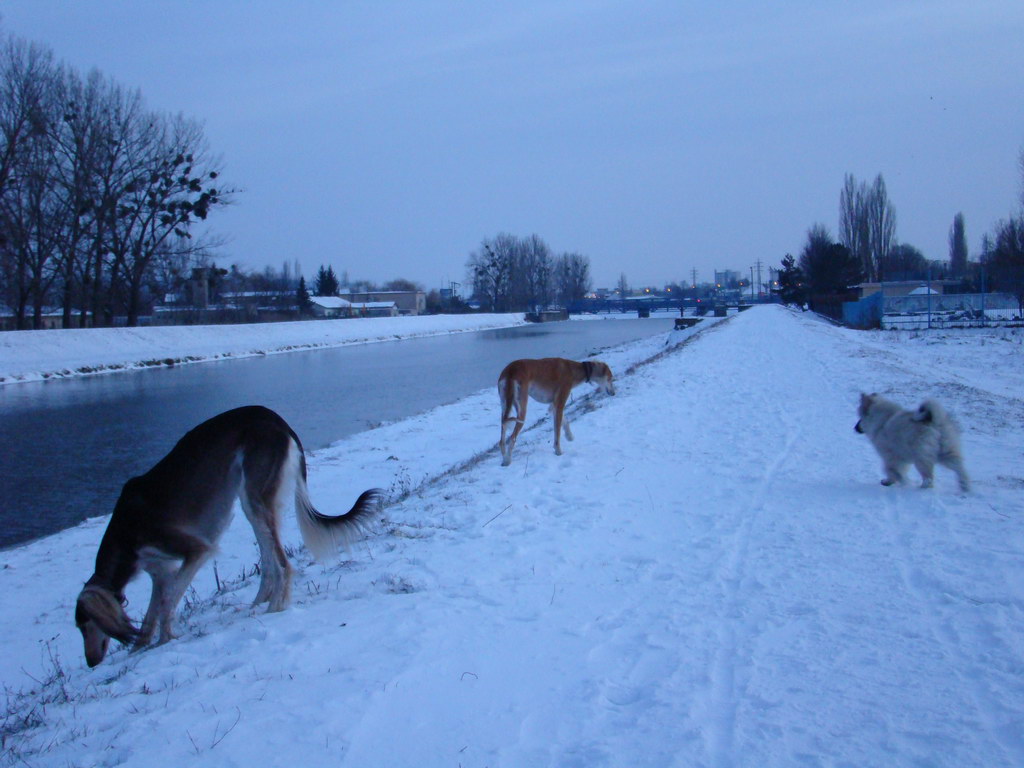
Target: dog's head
[(866, 401), (602, 378), (100, 616)]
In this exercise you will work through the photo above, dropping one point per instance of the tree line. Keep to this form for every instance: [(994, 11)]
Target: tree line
[(867, 251), (99, 195), (508, 273)]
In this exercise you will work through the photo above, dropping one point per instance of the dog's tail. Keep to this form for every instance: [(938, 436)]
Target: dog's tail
[(322, 534), (930, 412), (950, 455)]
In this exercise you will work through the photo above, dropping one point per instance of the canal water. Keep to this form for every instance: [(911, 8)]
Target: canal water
[(67, 446)]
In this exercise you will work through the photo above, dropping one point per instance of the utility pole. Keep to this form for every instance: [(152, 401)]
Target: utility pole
[(983, 294), (928, 287), (757, 264)]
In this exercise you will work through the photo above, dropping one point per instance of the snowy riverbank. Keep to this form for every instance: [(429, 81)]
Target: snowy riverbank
[(710, 576), (35, 355)]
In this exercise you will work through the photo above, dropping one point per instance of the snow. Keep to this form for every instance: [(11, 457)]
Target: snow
[(35, 355), (332, 302), (711, 575)]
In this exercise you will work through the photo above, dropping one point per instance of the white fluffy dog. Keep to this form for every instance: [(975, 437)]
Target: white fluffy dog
[(924, 438)]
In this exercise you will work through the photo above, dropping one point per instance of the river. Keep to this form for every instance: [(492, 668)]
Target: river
[(67, 446)]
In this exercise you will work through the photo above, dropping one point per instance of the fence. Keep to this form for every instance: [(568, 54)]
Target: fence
[(949, 310)]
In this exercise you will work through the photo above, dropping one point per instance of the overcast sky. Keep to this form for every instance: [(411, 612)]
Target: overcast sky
[(389, 138)]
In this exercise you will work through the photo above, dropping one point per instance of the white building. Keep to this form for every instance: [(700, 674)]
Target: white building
[(330, 306)]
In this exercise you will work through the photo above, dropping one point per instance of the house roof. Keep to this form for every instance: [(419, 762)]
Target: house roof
[(330, 302)]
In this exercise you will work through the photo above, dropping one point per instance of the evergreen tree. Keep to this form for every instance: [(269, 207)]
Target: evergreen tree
[(829, 267), (302, 297), (792, 288), (326, 283)]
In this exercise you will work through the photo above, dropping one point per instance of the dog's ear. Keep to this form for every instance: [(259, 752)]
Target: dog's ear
[(102, 607), (865, 399)]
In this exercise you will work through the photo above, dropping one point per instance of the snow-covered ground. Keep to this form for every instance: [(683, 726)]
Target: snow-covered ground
[(710, 576), (34, 355)]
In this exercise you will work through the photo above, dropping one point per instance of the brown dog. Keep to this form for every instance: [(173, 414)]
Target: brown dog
[(548, 380), (167, 523)]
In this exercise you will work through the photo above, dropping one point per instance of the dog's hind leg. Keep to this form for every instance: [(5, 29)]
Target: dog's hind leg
[(275, 570), (269, 476), (927, 471), (521, 395), (256, 514), (956, 464), (507, 398)]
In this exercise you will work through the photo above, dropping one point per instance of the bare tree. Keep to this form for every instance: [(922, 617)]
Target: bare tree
[(93, 189), (27, 71), (1020, 165), (530, 278), (401, 284), (958, 247), (1005, 257), (572, 277), (510, 273), (27, 79), (77, 135), (881, 224), (867, 223), (853, 222), (490, 272), (904, 262), (171, 185)]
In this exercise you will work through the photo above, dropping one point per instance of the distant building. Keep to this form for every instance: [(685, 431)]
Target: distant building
[(907, 287), (330, 306), (51, 319), (727, 278), (406, 302), (374, 309)]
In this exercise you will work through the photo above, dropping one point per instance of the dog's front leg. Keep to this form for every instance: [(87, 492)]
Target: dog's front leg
[(172, 593), (161, 569), (893, 475), (145, 635)]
